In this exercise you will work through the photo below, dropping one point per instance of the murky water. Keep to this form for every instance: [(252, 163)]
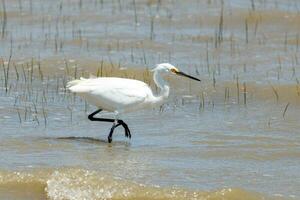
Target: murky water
[(233, 136)]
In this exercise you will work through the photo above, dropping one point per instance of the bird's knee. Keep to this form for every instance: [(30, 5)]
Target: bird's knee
[(90, 117)]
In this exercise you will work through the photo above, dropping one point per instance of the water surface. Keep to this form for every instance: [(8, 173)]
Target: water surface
[(233, 136)]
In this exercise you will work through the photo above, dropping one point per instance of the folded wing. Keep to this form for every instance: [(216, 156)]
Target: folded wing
[(111, 93)]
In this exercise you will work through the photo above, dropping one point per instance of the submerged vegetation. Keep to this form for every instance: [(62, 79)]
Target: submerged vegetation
[(34, 86)]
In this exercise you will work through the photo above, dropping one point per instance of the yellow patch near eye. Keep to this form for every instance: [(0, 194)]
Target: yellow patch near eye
[(174, 70)]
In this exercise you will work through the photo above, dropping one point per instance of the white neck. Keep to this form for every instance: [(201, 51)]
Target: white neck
[(163, 86)]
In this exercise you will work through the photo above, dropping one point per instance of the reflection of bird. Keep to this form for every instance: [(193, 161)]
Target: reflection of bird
[(123, 95)]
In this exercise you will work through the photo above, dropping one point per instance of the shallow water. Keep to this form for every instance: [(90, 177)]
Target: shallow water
[(233, 136)]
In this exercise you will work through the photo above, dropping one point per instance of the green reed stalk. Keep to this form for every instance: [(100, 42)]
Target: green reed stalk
[(285, 109), (135, 13), (238, 89), (245, 93), (276, 93), (4, 19)]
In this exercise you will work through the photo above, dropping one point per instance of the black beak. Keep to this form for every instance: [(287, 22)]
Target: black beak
[(191, 77)]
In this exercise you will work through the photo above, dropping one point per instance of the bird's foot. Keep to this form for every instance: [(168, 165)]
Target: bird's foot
[(115, 125), (125, 126), (109, 139)]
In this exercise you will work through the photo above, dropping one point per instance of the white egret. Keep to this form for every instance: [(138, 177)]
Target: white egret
[(121, 95)]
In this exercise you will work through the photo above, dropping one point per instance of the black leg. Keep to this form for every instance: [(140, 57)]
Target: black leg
[(109, 137), (119, 122), (125, 126), (92, 118)]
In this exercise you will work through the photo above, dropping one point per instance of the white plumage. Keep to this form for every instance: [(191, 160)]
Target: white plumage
[(123, 95), (113, 94)]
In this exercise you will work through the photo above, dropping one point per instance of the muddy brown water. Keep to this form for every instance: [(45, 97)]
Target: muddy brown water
[(233, 136)]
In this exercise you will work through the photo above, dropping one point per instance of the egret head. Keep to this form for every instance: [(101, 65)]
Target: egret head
[(168, 68)]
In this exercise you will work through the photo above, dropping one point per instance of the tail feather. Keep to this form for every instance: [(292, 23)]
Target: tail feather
[(73, 83), (78, 86)]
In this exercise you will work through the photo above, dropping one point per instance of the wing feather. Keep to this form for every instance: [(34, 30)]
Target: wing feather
[(111, 93)]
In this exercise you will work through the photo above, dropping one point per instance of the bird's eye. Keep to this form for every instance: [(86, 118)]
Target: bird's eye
[(173, 70)]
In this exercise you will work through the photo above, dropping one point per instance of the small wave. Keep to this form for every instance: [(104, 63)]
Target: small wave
[(78, 184)]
